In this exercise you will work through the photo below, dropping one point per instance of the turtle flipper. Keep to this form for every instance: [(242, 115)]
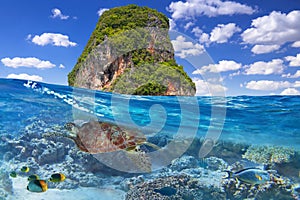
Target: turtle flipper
[(140, 159)]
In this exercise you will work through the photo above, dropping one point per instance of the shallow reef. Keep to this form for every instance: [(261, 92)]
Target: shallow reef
[(269, 154), (187, 177)]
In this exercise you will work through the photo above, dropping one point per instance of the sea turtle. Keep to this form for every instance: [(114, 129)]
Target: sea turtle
[(100, 137)]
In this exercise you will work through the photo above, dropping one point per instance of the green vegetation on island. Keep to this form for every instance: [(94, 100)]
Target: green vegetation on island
[(139, 36)]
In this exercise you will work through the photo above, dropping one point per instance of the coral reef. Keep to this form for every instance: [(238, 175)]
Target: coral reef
[(183, 187), (269, 154), (187, 177)]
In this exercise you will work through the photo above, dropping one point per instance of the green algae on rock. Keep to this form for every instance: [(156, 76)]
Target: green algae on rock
[(126, 40)]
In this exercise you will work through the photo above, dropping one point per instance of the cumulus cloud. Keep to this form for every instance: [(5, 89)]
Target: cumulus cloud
[(56, 13), (197, 31), (55, 39), (289, 75), (222, 66), (188, 25), (223, 32), (290, 91), (25, 77), (294, 60), (206, 88), (210, 8), (265, 68), (61, 66), (220, 34), (296, 84), (185, 48), (172, 24), (296, 44), (274, 29), (260, 49), (27, 62), (101, 11), (267, 85), (203, 37)]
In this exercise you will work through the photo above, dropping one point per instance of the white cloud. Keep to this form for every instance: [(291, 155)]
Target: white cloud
[(267, 85), (172, 24), (56, 13), (203, 37), (260, 49), (290, 91), (296, 84), (25, 77), (222, 66), (294, 60), (296, 44), (265, 68), (61, 66), (210, 8), (55, 39), (101, 11), (185, 48), (289, 75), (188, 25), (197, 31), (205, 88), (27, 62), (274, 29), (222, 32)]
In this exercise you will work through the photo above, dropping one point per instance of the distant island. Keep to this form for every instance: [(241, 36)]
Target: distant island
[(130, 52)]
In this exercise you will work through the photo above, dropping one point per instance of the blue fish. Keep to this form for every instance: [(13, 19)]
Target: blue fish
[(253, 176)]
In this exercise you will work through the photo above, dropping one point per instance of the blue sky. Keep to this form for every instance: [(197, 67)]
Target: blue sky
[(254, 45)]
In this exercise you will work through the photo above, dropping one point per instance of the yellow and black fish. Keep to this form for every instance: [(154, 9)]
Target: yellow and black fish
[(37, 186), (13, 174), (33, 177), (25, 169), (57, 177)]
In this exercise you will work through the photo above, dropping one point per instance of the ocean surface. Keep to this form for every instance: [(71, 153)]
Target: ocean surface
[(243, 119), (249, 120)]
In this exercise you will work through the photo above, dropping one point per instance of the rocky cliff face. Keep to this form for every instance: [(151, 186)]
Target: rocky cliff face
[(130, 52)]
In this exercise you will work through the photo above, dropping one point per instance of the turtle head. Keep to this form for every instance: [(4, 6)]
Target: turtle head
[(70, 126)]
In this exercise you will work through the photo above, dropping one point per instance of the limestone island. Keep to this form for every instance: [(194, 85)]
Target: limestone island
[(130, 52)]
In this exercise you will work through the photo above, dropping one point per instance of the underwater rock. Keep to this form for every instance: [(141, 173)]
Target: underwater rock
[(184, 162), (161, 139), (129, 183), (180, 186), (214, 163), (269, 154), (52, 154), (269, 190)]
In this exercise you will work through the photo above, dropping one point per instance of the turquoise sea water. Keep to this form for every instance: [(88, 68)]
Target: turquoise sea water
[(248, 120)]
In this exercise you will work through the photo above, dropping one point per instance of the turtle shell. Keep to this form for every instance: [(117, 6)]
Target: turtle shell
[(100, 137)]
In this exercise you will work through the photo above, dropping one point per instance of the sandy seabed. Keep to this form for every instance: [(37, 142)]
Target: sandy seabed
[(83, 193)]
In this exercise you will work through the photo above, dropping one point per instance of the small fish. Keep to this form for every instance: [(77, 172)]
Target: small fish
[(33, 177), (37, 186), (13, 174), (25, 169), (57, 177), (166, 191), (251, 176)]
